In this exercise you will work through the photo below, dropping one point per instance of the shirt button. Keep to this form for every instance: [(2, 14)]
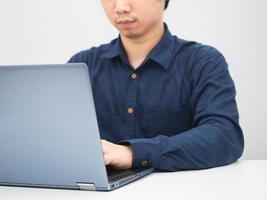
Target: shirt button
[(144, 163), (130, 110), (134, 76)]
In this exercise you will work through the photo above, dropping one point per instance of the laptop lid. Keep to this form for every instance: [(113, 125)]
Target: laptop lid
[(49, 135)]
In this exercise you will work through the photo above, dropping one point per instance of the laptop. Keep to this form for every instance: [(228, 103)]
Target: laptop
[(49, 136)]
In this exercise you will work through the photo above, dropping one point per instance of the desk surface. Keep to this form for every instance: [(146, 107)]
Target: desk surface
[(241, 180)]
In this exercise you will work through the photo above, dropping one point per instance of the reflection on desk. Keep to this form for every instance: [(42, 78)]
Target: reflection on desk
[(241, 180)]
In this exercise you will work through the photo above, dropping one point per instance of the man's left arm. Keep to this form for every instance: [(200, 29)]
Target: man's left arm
[(216, 138)]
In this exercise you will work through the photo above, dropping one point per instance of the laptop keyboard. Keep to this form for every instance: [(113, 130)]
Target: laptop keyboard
[(114, 174)]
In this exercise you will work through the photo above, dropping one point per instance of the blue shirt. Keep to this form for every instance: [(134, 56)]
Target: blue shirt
[(177, 110)]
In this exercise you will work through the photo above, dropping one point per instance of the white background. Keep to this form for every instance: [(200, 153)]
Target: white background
[(51, 31)]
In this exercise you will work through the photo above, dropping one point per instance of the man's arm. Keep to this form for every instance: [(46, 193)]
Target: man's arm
[(216, 138)]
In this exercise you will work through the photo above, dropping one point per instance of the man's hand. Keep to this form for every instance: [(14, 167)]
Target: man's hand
[(117, 156)]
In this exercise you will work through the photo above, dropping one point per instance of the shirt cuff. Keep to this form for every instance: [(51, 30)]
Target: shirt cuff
[(141, 153)]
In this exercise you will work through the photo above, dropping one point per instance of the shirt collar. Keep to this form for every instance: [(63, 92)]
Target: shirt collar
[(114, 49), (161, 53)]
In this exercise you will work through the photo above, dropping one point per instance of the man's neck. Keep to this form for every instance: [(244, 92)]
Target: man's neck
[(138, 49)]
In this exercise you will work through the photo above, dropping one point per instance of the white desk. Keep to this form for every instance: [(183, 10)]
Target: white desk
[(242, 180)]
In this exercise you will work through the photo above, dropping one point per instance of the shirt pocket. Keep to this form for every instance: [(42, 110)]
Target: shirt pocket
[(167, 122)]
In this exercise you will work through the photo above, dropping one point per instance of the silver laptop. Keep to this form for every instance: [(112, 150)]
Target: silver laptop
[(49, 135)]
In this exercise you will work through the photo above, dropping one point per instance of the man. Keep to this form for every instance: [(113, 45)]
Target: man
[(161, 101)]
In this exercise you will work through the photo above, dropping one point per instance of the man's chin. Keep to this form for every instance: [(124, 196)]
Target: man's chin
[(130, 35)]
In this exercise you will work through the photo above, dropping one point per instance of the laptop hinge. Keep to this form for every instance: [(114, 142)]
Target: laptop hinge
[(86, 186)]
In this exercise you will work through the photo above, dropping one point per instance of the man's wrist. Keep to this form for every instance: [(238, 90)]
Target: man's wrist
[(129, 155)]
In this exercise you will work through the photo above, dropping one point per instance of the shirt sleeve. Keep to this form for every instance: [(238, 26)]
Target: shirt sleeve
[(80, 57), (216, 138)]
